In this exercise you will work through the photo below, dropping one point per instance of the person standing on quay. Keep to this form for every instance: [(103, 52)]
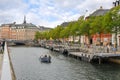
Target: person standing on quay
[(3, 44), (108, 48), (114, 49)]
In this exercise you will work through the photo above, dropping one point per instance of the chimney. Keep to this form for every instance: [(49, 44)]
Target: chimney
[(14, 22), (101, 7)]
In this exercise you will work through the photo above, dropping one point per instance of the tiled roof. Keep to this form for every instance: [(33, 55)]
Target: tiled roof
[(99, 12), (42, 28), (26, 25)]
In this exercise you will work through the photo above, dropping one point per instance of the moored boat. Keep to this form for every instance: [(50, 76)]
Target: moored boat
[(46, 59)]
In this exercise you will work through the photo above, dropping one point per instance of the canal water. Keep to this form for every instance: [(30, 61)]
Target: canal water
[(27, 66)]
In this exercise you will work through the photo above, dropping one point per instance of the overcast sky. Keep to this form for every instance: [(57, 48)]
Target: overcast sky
[(49, 13)]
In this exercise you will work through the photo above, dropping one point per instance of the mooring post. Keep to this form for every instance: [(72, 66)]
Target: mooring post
[(99, 60)]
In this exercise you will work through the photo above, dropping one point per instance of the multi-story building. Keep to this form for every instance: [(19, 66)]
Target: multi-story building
[(13, 31), (5, 31), (98, 37)]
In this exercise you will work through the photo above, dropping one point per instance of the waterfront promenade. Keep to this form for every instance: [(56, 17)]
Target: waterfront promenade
[(1, 60), (89, 53), (6, 68)]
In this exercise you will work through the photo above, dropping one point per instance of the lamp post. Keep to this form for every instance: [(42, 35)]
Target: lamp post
[(116, 3)]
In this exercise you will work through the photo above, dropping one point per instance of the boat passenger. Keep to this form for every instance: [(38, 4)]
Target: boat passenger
[(45, 56)]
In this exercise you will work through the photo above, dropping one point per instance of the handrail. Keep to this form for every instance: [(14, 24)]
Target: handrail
[(7, 69)]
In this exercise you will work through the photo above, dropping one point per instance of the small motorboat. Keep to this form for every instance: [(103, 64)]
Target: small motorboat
[(46, 59)]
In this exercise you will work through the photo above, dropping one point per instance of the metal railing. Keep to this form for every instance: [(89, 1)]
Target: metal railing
[(7, 68)]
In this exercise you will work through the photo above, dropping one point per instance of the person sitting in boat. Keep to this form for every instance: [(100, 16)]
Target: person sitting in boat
[(45, 56)]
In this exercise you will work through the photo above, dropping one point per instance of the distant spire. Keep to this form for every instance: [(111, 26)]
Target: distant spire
[(24, 22)]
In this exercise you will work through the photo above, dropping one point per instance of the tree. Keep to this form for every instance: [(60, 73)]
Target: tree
[(37, 35), (97, 26), (55, 33), (73, 29), (112, 20), (46, 35), (86, 28), (58, 30)]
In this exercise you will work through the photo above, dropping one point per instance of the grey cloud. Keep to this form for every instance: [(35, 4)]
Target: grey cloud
[(11, 4), (14, 10)]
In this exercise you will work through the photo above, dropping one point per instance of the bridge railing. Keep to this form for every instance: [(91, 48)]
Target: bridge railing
[(7, 68)]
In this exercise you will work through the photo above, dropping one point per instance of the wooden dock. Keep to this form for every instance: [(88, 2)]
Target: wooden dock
[(107, 55), (94, 56)]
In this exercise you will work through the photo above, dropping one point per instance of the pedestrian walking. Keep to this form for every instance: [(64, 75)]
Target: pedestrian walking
[(114, 49), (108, 48)]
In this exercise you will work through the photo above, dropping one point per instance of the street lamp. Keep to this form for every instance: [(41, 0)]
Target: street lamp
[(116, 3)]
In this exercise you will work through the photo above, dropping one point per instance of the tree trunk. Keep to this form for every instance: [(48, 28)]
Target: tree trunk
[(79, 39), (100, 39), (73, 38), (89, 37), (116, 40)]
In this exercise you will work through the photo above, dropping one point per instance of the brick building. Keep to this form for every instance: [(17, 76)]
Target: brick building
[(13, 31)]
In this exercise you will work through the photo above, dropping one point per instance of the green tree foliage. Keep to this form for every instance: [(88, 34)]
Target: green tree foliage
[(46, 35), (37, 35), (112, 21), (55, 33), (75, 28), (107, 22), (51, 33), (64, 33), (97, 25), (86, 28)]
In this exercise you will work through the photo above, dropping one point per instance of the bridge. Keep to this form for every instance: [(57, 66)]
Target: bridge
[(19, 42), (22, 42)]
